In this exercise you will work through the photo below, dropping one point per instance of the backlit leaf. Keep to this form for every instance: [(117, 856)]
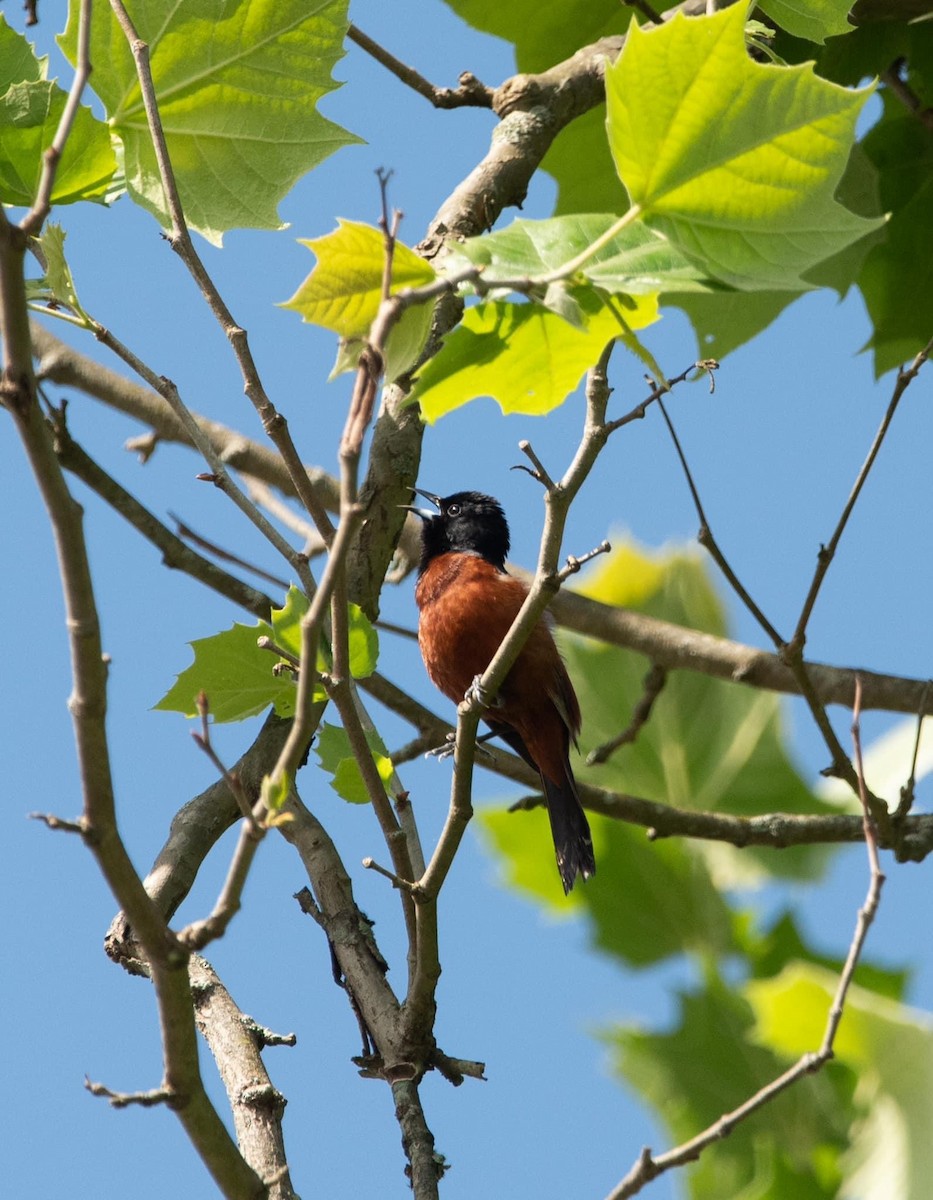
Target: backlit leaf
[(734, 161), (238, 83)]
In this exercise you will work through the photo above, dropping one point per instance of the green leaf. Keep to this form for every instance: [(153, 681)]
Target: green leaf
[(406, 340), (706, 1067), (18, 61), (58, 273), (709, 744), (769, 953), (236, 676), (286, 621), (735, 162), (814, 20), (638, 261), (336, 757), (891, 1047), (364, 643), (344, 290), (274, 793), (30, 110), (362, 636), (726, 320), (527, 358), (896, 277), (238, 84)]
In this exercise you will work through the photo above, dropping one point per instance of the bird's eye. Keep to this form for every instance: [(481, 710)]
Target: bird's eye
[(453, 510)]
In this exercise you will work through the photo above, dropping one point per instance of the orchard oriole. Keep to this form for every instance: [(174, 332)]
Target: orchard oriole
[(467, 603)]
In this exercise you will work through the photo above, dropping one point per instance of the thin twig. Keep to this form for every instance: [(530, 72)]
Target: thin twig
[(707, 365), (175, 553), (148, 1099), (273, 422), (892, 79), (827, 552), (185, 531), (652, 687), (907, 795), (649, 1167), (706, 539), (34, 219), (470, 93)]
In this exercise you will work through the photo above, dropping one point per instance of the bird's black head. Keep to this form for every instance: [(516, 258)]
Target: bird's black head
[(465, 523)]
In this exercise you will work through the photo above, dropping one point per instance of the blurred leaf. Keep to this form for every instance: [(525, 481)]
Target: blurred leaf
[(705, 1067), (238, 86), (891, 1047), (709, 744), (526, 358), (544, 34), (769, 952), (30, 110), (336, 757), (815, 20), (735, 162)]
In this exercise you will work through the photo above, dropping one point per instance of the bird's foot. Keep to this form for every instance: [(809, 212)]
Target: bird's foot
[(477, 694), (449, 746), (445, 751)]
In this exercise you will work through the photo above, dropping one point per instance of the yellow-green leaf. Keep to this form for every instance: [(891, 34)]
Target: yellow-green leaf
[(525, 357), (735, 161), (344, 290)]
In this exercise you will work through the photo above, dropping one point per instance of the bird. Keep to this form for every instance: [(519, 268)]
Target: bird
[(467, 602)]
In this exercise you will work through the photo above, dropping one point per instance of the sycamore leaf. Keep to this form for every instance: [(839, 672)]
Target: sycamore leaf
[(527, 358), (407, 338), (639, 261), (709, 744), (812, 20), (891, 1048), (18, 61), (735, 162), (727, 320), (238, 86), (30, 110), (236, 676), (362, 636), (286, 621), (344, 290), (704, 1067), (58, 274), (336, 757), (363, 643)]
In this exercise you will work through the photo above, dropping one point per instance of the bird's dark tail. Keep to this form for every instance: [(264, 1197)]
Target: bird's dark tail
[(570, 830)]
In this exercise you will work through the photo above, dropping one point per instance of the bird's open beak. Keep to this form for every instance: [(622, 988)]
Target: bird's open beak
[(424, 513)]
